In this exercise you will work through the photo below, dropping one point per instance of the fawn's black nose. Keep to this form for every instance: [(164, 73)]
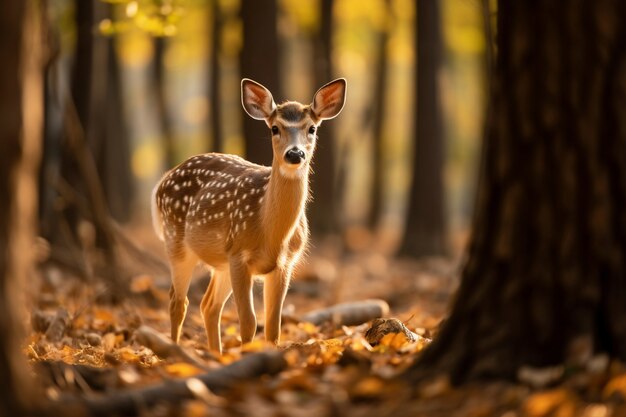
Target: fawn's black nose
[(294, 156)]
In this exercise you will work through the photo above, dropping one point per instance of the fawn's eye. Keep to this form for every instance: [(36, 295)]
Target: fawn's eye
[(312, 130), (274, 130)]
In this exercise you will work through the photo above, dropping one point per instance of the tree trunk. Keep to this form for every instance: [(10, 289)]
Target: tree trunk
[(163, 114), (323, 208), (20, 146), (260, 62), (425, 229), (215, 94), (113, 143), (378, 118), (545, 280)]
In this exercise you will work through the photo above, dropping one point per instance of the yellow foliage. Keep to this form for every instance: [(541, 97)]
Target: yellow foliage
[(463, 26), (146, 159), (305, 13), (135, 49)]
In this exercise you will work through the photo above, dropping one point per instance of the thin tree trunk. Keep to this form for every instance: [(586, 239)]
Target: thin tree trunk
[(378, 149), (425, 229), (114, 147), (21, 123), (260, 62), (545, 280), (163, 114), (215, 94), (323, 209)]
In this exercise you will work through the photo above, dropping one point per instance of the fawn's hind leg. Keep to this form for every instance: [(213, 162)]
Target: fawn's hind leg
[(182, 266), (215, 297)]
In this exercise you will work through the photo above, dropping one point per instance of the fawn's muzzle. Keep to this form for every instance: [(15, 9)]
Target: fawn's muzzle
[(294, 156)]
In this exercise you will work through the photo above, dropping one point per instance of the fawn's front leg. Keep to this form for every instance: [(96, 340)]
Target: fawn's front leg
[(274, 292), (242, 290)]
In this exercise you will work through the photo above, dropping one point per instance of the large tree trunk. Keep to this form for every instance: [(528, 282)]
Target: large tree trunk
[(323, 208), (545, 281), (20, 147), (425, 229), (260, 61)]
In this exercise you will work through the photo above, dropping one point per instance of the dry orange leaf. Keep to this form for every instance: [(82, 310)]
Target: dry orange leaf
[(617, 386), (141, 283), (182, 369), (257, 345), (368, 387), (394, 340), (557, 402)]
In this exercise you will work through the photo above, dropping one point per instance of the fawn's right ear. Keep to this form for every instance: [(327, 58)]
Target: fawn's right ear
[(257, 100)]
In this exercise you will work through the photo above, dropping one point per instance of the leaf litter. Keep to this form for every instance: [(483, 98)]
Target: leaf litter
[(336, 363)]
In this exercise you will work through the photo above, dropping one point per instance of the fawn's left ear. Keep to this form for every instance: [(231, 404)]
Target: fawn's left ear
[(257, 100), (329, 100)]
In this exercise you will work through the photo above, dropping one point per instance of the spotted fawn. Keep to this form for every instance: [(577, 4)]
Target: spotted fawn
[(242, 219)]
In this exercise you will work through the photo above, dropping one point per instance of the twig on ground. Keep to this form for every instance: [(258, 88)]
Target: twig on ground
[(165, 348), (348, 314)]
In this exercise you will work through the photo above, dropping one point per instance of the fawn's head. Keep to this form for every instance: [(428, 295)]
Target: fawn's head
[(293, 125)]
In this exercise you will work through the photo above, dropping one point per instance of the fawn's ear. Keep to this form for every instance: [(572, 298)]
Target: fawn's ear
[(257, 100), (329, 100)]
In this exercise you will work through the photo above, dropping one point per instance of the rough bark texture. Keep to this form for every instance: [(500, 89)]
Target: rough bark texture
[(425, 229), (20, 129), (545, 280), (323, 208), (260, 62)]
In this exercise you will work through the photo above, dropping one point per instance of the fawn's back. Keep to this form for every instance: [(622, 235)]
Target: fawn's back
[(212, 203)]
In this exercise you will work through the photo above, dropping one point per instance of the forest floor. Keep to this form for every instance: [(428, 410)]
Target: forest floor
[(98, 354)]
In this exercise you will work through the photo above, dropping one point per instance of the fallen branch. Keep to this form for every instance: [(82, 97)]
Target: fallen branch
[(132, 401), (348, 314), (164, 347)]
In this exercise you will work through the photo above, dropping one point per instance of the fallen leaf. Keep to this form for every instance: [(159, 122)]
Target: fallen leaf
[(182, 369), (615, 387), (557, 402)]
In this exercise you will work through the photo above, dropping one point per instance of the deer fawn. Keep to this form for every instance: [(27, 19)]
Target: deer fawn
[(243, 219)]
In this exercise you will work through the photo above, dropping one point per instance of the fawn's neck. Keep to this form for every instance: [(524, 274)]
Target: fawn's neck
[(284, 203)]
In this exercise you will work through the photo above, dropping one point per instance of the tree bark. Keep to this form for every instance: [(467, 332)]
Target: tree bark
[(21, 124), (260, 62), (545, 280), (324, 206), (425, 229)]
